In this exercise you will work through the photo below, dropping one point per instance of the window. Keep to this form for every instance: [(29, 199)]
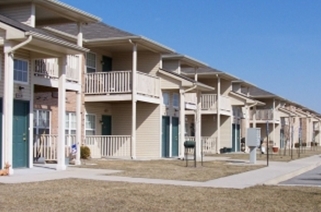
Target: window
[(166, 99), (71, 123), (175, 100), (41, 122), (91, 62), (90, 124), (20, 69)]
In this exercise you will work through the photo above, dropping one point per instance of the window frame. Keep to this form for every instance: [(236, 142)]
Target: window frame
[(70, 129), (168, 99), (94, 130), (174, 101), (87, 66), (23, 60), (36, 116)]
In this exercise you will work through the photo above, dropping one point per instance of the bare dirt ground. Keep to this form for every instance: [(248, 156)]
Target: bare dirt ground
[(171, 169), (89, 195)]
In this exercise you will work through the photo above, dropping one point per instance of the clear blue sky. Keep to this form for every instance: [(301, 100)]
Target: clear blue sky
[(274, 44)]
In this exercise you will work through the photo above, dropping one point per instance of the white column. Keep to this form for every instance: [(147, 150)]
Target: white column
[(218, 114), (134, 102), (81, 68), (182, 123), (274, 116), (31, 106), (61, 114), (254, 117), (7, 122), (247, 122), (198, 126)]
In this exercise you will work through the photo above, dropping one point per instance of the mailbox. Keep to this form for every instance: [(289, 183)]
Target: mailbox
[(189, 144), (253, 137)]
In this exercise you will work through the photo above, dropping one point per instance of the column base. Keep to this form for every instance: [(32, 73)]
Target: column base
[(11, 171), (61, 167), (77, 162)]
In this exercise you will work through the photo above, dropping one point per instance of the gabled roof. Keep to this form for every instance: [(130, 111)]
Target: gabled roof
[(90, 31), (248, 99), (185, 60)]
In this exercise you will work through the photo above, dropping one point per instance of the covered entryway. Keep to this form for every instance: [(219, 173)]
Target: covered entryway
[(20, 133), (106, 125)]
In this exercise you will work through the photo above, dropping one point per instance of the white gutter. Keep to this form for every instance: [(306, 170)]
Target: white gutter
[(18, 46)]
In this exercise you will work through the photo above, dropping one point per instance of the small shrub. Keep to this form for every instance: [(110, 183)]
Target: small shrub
[(84, 152)]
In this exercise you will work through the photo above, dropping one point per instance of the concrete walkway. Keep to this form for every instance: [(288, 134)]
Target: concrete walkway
[(272, 175)]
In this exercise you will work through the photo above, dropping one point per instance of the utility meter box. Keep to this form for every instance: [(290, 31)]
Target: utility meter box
[(253, 137)]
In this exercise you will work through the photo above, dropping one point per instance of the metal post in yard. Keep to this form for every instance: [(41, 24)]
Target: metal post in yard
[(267, 143)]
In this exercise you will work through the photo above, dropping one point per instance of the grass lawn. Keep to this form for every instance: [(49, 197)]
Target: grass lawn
[(273, 156), (89, 195), (170, 169)]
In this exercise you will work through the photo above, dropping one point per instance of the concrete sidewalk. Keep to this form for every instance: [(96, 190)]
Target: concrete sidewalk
[(275, 173)]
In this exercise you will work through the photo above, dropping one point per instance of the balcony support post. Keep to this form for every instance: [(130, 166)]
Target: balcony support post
[(198, 127), (134, 101), (218, 124), (182, 123), (273, 117)]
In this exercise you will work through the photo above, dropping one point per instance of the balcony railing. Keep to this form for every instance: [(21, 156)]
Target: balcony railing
[(120, 82), (109, 145), (209, 101), (148, 85), (45, 146), (49, 68), (262, 114), (316, 126), (225, 103), (209, 144)]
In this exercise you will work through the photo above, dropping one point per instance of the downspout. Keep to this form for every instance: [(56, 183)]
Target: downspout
[(190, 89), (18, 46)]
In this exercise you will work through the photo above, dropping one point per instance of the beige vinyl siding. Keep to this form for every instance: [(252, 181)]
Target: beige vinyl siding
[(171, 65), (20, 12), (148, 130), (99, 56), (147, 62), (226, 131), (26, 92), (122, 118), (209, 125), (169, 83), (226, 87), (98, 109)]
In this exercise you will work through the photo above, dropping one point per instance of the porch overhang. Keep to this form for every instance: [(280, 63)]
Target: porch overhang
[(54, 12), (125, 41), (287, 113), (246, 100), (186, 82)]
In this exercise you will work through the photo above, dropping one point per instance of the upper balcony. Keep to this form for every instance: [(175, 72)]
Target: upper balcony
[(46, 72), (264, 115), (208, 103), (117, 86)]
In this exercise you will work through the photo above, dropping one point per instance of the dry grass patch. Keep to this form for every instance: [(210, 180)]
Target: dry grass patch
[(274, 156), (171, 169), (89, 195)]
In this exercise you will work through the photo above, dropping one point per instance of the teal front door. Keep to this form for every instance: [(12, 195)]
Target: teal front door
[(107, 64), (165, 136), (20, 139), (174, 136), (106, 125), (236, 138)]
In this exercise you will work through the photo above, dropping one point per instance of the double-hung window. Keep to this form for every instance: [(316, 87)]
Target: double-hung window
[(71, 123), (166, 99), (91, 62), (90, 124), (41, 122), (20, 70), (175, 100)]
